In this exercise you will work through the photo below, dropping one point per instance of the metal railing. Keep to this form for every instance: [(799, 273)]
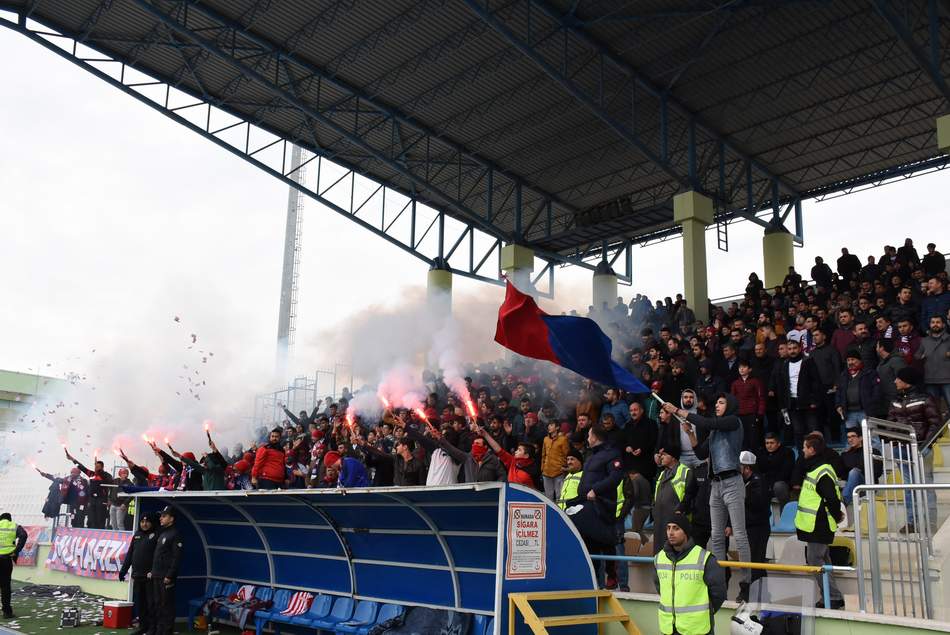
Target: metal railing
[(905, 501), (912, 553), (825, 571)]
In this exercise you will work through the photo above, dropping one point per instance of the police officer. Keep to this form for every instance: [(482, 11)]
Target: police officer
[(698, 580), (819, 510), (164, 573), (598, 485), (12, 540), (139, 558), (675, 491)]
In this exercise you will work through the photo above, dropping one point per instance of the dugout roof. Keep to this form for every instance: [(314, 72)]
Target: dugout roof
[(442, 547), (560, 123)]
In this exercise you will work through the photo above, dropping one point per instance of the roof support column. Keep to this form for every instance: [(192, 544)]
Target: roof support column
[(778, 253), (605, 286), (694, 212), (439, 288), (943, 133), (517, 261)]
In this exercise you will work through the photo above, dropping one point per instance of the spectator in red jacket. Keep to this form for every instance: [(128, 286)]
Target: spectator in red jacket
[(268, 471), (750, 394)]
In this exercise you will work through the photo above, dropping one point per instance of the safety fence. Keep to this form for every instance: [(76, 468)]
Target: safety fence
[(908, 552), (825, 571)]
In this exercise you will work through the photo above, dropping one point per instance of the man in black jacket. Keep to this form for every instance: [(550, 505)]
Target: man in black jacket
[(828, 364), (757, 510), (139, 558), (598, 485), (164, 573), (775, 463), (796, 385)]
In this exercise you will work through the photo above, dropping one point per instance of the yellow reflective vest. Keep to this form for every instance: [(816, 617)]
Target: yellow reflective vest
[(678, 481), (7, 537), (684, 597), (809, 501), (569, 491)]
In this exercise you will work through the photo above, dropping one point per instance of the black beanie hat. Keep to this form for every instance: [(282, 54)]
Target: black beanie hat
[(680, 519), (576, 454), (909, 375)]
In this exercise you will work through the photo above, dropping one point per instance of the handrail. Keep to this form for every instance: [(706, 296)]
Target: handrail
[(858, 541), (825, 570)]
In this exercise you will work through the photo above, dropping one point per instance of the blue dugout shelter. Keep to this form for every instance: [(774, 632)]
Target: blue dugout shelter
[(461, 548)]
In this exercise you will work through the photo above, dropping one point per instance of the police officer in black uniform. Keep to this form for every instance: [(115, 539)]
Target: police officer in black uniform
[(139, 558), (602, 474), (165, 572)]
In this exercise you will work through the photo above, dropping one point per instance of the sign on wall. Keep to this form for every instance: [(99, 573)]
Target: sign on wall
[(526, 541), (90, 553), (35, 534)]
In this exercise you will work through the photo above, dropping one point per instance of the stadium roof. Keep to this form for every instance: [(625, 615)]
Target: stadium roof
[(560, 124)]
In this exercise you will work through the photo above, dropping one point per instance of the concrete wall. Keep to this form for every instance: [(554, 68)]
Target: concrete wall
[(41, 575), (643, 612)]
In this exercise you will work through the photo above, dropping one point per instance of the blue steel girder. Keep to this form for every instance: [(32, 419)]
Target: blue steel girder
[(388, 205), (905, 21), (377, 114), (613, 91)]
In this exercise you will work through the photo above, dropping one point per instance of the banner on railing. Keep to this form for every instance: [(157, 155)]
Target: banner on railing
[(90, 553), (35, 534)]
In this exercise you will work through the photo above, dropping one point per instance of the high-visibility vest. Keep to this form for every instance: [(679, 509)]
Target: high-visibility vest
[(678, 482), (7, 537), (684, 597), (131, 510), (569, 491), (809, 501)]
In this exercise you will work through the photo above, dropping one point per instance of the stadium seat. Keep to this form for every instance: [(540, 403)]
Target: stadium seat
[(363, 616), (264, 593), (490, 627), (341, 612), (786, 523), (880, 517), (215, 589), (319, 610), (281, 600), (386, 613)]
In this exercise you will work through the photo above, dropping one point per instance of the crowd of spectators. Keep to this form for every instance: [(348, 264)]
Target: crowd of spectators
[(809, 357)]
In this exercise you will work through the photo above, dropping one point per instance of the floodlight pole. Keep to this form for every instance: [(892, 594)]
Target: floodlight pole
[(287, 317)]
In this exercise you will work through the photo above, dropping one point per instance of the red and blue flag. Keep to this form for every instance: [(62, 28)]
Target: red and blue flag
[(575, 343)]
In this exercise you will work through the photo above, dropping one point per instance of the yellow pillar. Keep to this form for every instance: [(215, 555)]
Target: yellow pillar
[(439, 289), (943, 133), (517, 261), (778, 254), (604, 287), (694, 212)]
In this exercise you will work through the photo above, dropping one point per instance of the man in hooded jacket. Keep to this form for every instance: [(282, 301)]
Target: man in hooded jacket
[(727, 493), (139, 558)]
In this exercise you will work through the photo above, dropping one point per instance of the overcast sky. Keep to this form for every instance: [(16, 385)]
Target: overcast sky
[(115, 219)]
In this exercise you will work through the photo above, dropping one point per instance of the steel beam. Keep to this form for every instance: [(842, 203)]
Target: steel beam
[(321, 192), (620, 90), (929, 59)]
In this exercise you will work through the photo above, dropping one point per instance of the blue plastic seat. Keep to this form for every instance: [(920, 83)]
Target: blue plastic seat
[(386, 613), (786, 523), (490, 627), (364, 615), (341, 612), (281, 600), (318, 610), (215, 589), (263, 593)]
